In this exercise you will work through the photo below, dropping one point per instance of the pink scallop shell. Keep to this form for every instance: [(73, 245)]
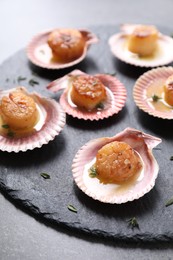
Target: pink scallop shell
[(54, 122), (40, 54), (116, 93), (158, 75), (118, 46), (112, 193)]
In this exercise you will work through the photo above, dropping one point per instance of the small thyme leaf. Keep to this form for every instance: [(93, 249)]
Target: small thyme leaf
[(133, 223), (72, 208), (169, 202), (155, 98), (20, 79), (33, 82), (100, 106), (92, 172), (5, 126), (45, 175), (171, 158), (11, 134)]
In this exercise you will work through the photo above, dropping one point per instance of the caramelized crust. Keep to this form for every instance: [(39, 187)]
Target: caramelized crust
[(117, 162), (66, 44), (143, 40), (168, 90), (87, 91), (18, 110)]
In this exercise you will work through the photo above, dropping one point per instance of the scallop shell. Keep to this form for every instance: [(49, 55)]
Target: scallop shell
[(112, 193), (118, 46), (116, 93), (153, 77), (40, 54), (51, 122)]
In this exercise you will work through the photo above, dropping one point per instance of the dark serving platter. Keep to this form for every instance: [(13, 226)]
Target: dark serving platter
[(48, 198)]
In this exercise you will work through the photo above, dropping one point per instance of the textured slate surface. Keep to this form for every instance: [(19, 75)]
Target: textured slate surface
[(48, 199)]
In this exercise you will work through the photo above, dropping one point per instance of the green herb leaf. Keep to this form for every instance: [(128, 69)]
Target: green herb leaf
[(92, 172), (133, 223), (169, 202), (155, 98), (20, 79), (33, 82), (72, 208), (100, 106), (11, 134), (171, 158), (5, 126), (45, 175)]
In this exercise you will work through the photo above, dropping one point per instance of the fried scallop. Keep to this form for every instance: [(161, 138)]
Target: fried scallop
[(168, 90), (143, 40), (87, 91), (66, 44), (18, 110), (117, 162)]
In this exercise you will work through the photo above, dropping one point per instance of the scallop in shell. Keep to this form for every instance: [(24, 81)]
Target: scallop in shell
[(134, 188), (114, 102), (40, 54), (149, 93), (50, 121), (162, 55)]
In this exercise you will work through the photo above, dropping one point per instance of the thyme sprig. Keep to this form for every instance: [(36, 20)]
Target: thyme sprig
[(33, 82), (132, 222), (20, 78), (45, 175), (100, 106), (92, 172), (71, 208), (9, 132), (155, 98), (169, 202)]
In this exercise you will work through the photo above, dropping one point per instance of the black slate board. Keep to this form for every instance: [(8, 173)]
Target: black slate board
[(20, 173)]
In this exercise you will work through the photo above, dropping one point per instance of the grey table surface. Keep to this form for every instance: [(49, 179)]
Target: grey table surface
[(21, 235)]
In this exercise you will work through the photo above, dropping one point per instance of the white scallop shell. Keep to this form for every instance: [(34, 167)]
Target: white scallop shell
[(52, 121), (116, 97), (112, 193), (118, 46), (40, 54), (155, 76)]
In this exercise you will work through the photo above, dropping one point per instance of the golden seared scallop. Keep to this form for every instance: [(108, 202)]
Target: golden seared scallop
[(87, 91), (143, 40), (117, 162), (18, 110), (66, 44), (168, 91)]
